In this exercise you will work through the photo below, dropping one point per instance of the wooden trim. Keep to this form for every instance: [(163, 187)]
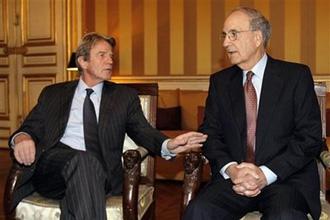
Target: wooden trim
[(5, 115), (169, 82)]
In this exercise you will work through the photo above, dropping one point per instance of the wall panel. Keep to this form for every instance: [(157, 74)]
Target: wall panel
[(150, 38), (4, 97), (32, 86), (176, 37), (4, 135), (3, 22), (137, 37), (203, 31), (125, 40), (322, 35), (190, 38), (169, 38), (163, 37), (292, 31), (38, 14)]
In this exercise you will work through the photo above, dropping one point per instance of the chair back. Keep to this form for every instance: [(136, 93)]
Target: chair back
[(320, 90), (148, 93)]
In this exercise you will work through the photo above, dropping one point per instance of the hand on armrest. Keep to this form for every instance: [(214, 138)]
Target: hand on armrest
[(24, 149)]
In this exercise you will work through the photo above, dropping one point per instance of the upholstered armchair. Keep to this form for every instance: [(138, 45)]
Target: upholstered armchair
[(138, 199), (194, 162)]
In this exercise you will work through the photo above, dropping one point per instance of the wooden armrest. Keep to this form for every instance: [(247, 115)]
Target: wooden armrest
[(325, 155), (143, 152), (193, 170), (132, 172), (325, 158)]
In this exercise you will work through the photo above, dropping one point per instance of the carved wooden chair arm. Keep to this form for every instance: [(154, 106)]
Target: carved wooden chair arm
[(132, 172), (325, 158), (193, 170), (132, 166), (325, 155), (15, 172)]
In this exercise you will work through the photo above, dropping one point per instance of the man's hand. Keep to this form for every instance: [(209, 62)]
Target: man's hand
[(248, 179), (24, 149), (186, 142)]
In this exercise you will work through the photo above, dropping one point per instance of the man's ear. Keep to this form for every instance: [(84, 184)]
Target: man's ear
[(258, 38), (82, 62)]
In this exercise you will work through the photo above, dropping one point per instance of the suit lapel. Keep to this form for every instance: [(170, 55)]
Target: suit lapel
[(237, 99), (106, 104), (270, 93)]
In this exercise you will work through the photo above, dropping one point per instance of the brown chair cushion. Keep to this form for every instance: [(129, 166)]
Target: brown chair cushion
[(189, 100), (168, 118), (168, 98)]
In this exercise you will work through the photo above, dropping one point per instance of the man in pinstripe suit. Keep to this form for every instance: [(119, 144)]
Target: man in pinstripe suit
[(51, 142)]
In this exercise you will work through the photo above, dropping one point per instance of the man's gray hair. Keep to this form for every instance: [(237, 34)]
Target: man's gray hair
[(87, 43), (257, 22)]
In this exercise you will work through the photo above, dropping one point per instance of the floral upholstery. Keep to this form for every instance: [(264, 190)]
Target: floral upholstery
[(324, 215), (36, 207)]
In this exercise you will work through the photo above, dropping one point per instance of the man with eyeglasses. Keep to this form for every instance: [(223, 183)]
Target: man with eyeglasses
[(264, 131)]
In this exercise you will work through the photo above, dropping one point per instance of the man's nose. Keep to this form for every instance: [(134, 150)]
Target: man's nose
[(225, 41), (110, 59)]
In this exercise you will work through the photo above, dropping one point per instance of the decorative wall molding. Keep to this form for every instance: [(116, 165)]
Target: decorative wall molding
[(4, 135), (3, 23), (32, 86), (190, 82), (40, 60), (4, 61), (15, 50), (169, 82), (31, 14), (4, 97)]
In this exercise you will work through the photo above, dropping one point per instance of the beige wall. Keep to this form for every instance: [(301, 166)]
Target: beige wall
[(181, 37)]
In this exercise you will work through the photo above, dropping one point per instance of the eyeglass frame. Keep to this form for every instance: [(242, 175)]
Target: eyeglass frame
[(233, 34)]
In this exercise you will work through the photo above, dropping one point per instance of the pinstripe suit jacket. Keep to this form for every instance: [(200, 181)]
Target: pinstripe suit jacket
[(120, 113), (288, 134)]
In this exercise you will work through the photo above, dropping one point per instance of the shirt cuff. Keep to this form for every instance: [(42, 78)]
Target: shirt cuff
[(166, 154), (270, 175), (223, 170), (12, 142)]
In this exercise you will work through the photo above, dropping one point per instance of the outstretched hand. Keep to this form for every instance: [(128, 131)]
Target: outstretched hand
[(186, 142)]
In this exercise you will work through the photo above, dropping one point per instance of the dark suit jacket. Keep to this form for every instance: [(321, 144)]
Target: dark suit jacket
[(288, 134), (120, 113)]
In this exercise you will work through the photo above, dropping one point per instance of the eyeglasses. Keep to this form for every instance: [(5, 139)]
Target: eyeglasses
[(232, 34)]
